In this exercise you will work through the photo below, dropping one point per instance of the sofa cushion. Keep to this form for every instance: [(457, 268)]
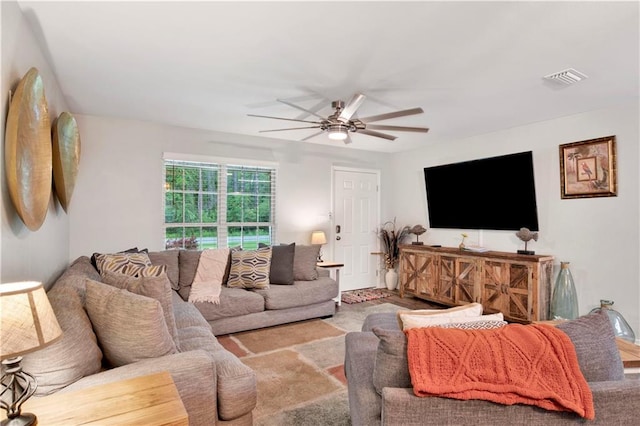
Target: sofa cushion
[(76, 354), (233, 302), (417, 321), (304, 262), (158, 288), (250, 268), (236, 381), (129, 327), (301, 293), (188, 263), (169, 258), (281, 271), (595, 343), (186, 314)]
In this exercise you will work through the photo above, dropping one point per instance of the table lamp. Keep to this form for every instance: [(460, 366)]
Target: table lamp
[(318, 237), (27, 323)]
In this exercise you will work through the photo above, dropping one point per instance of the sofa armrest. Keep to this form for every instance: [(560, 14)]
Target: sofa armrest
[(615, 403), (193, 372)]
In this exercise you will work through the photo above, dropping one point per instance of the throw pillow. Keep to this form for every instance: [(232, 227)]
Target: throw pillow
[(304, 262), (391, 367), (155, 287), (469, 310), (129, 327), (95, 255), (282, 256), (595, 343), (189, 260), (418, 321), (73, 356), (250, 268), (119, 261)]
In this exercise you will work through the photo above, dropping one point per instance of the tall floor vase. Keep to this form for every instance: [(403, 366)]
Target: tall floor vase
[(391, 279)]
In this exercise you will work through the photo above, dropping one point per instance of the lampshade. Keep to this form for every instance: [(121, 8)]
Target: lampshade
[(27, 320), (318, 237)]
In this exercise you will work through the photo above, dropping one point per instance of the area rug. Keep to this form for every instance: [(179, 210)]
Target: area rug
[(363, 295), (300, 368)]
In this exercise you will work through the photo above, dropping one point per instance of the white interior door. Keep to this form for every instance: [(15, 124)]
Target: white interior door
[(356, 204)]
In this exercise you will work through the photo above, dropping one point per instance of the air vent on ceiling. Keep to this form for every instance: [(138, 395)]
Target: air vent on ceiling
[(568, 76)]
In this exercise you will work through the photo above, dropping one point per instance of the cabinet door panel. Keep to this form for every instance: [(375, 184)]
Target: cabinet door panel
[(466, 281), (445, 290)]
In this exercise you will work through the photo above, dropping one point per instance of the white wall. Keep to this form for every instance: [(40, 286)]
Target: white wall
[(599, 236), (27, 255), (117, 201)]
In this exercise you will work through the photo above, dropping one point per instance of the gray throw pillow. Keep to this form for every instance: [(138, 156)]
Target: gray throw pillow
[(169, 258), (282, 256), (188, 265), (595, 343), (392, 368), (129, 327), (158, 288), (304, 262)]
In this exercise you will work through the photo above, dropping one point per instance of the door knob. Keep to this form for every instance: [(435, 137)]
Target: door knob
[(338, 238)]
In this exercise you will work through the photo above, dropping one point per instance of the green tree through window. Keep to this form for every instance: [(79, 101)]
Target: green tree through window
[(209, 205)]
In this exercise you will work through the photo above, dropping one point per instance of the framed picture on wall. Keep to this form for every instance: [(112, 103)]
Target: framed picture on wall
[(588, 168)]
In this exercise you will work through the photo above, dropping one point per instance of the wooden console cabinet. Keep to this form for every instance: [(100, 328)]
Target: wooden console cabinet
[(517, 285)]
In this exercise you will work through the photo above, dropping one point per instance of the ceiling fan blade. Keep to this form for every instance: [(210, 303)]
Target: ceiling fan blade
[(312, 136), (348, 140), (397, 128), (280, 118), (389, 115), (377, 134), (300, 108), (290, 128), (351, 107)]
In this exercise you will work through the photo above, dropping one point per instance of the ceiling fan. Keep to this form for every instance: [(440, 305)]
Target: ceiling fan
[(342, 122)]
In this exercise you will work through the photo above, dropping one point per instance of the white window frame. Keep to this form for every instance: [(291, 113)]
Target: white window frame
[(223, 164)]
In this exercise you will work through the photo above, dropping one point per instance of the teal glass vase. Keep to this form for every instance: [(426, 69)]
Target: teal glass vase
[(621, 327), (564, 302)]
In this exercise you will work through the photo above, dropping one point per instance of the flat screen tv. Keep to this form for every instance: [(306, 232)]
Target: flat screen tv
[(491, 193)]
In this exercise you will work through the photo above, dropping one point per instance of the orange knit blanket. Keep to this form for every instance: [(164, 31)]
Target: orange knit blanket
[(516, 364)]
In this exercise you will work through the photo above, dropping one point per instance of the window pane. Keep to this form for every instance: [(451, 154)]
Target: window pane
[(264, 208), (233, 181), (191, 208), (234, 236), (250, 208), (191, 237), (234, 208), (191, 179), (209, 208), (264, 235), (209, 238), (209, 180), (173, 207), (174, 238)]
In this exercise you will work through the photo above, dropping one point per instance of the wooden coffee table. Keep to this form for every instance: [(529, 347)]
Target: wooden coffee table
[(146, 400)]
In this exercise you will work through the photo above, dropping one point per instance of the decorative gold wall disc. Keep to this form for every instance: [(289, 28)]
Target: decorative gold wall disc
[(66, 157), (28, 153)]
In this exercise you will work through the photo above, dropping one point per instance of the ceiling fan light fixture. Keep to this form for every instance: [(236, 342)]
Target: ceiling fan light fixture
[(338, 132)]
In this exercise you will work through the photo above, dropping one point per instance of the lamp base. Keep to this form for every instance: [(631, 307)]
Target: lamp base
[(24, 419)]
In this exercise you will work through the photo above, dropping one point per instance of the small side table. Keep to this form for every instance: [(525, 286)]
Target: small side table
[(336, 267), (146, 400)]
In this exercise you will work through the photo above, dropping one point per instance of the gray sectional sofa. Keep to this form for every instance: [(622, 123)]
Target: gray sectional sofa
[(214, 385), (380, 391)]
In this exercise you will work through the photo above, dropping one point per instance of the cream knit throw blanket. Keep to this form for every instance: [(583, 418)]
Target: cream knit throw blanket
[(207, 284)]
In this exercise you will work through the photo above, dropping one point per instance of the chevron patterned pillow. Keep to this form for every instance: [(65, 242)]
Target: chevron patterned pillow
[(250, 268)]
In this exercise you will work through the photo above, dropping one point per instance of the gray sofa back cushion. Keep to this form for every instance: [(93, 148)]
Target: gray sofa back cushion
[(169, 258), (304, 262), (595, 343), (75, 355)]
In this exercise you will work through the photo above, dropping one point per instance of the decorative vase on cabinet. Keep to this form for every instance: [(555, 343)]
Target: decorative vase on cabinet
[(621, 327), (564, 302), (391, 279)]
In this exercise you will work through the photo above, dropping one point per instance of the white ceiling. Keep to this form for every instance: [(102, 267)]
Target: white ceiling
[(474, 67)]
